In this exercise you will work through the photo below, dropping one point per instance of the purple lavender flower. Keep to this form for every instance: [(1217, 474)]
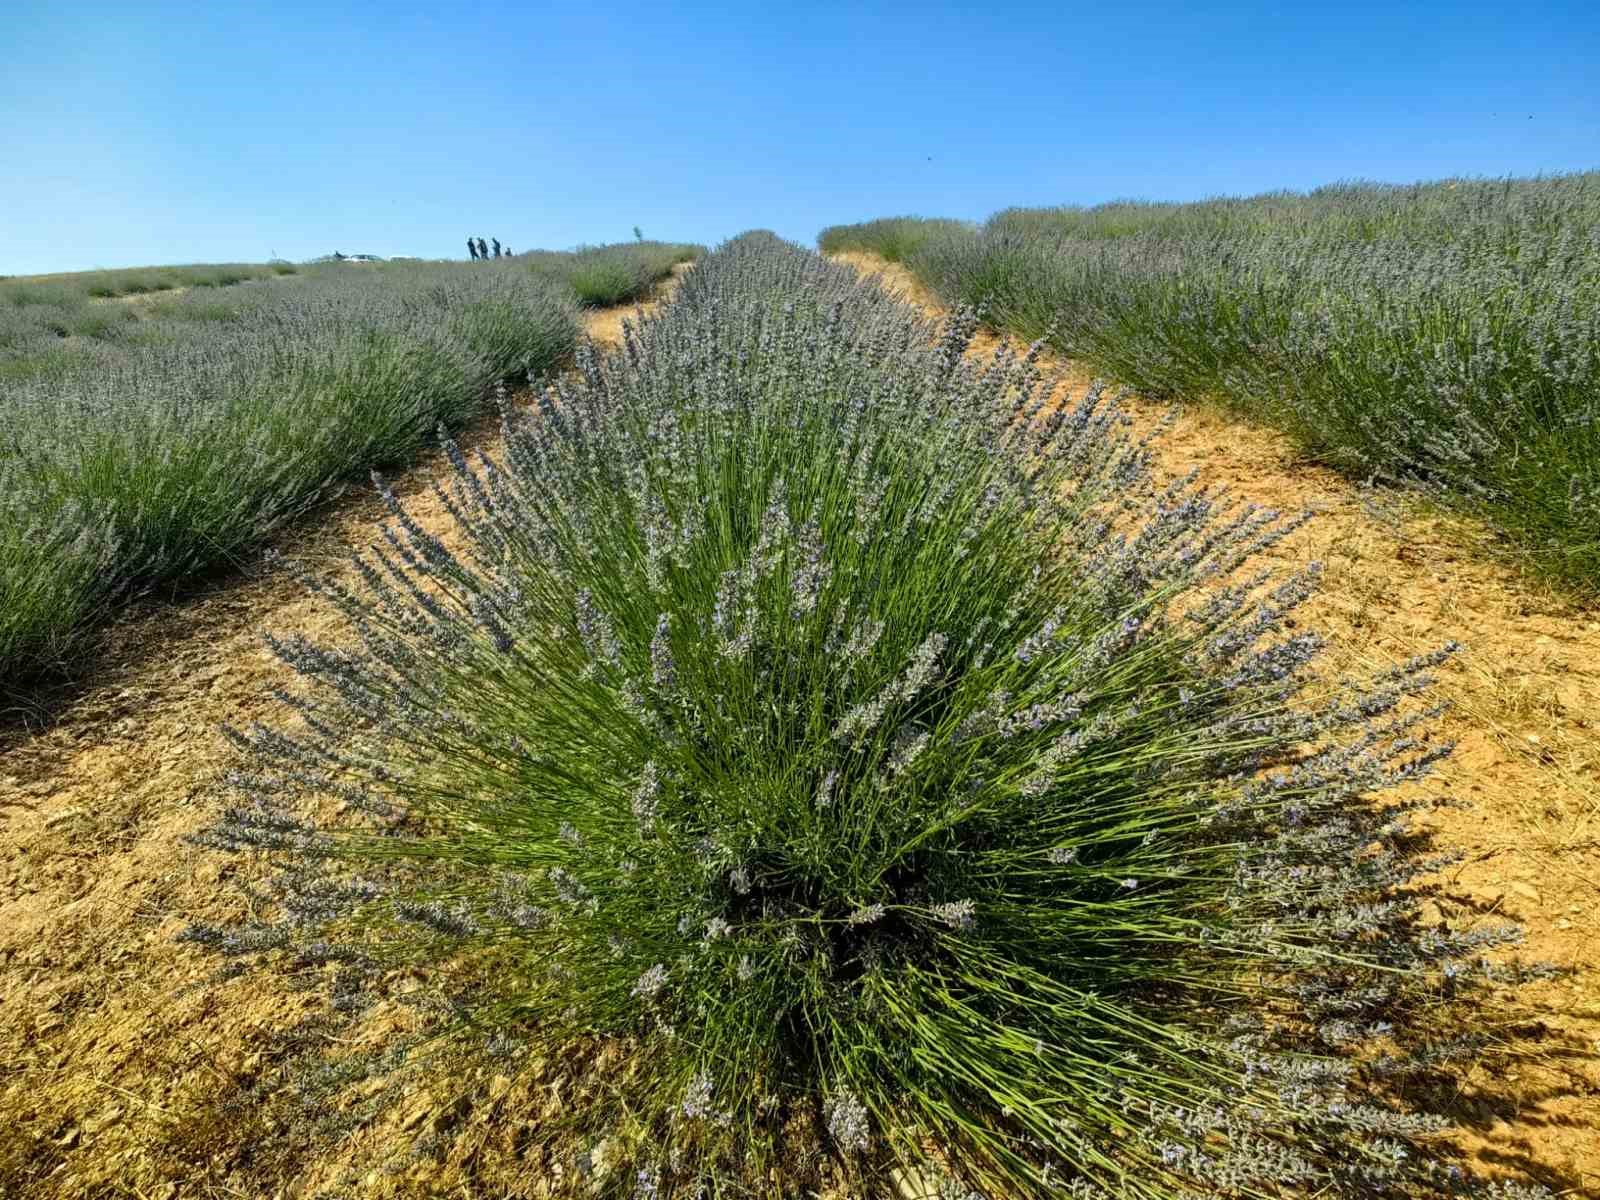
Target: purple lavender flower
[(958, 914), (651, 982), (663, 670), (848, 1123)]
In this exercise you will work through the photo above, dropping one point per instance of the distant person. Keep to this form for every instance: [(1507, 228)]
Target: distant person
[(508, 251), (496, 242), (472, 249), (483, 248)]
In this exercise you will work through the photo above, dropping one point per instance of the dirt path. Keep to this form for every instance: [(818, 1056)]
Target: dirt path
[(116, 1070)]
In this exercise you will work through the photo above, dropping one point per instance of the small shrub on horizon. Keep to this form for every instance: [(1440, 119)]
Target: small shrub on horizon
[(849, 738), (894, 239)]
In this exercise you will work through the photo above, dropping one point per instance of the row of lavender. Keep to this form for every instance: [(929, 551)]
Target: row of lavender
[(1444, 336), (849, 745), (143, 445), (53, 324), (59, 325)]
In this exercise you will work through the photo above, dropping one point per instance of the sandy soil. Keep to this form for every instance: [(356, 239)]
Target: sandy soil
[(118, 1072)]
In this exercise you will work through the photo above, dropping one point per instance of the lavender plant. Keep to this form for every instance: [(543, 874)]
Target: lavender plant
[(601, 276), (893, 239), (1445, 336), (137, 281), (79, 287), (846, 736), (179, 447)]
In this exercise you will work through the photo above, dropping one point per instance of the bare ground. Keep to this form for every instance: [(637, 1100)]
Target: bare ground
[(120, 1075)]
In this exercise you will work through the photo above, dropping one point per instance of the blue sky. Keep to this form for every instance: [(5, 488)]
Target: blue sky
[(137, 133)]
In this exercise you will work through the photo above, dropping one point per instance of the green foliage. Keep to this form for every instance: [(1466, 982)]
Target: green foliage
[(846, 736), (602, 276), (54, 576), (1442, 336), (43, 320), (139, 281), (894, 239), (25, 295), (151, 441), (147, 462), (100, 321)]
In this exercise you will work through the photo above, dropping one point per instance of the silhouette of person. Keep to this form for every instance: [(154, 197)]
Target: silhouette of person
[(483, 248), (472, 249), (496, 242)]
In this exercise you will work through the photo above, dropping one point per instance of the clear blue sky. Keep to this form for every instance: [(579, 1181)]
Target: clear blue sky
[(150, 132)]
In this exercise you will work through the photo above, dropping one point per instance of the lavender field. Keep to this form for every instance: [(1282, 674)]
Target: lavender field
[(850, 741), (857, 742), (1441, 336), (149, 441)]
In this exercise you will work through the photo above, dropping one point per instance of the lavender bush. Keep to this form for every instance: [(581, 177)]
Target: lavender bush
[(844, 735), (51, 324), (1444, 335), (135, 281), (179, 445), (601, 276), (893, 239)]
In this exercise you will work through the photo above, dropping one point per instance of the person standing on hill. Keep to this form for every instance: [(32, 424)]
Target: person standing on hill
[(483, 248), (472, 249), (496, 242)]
